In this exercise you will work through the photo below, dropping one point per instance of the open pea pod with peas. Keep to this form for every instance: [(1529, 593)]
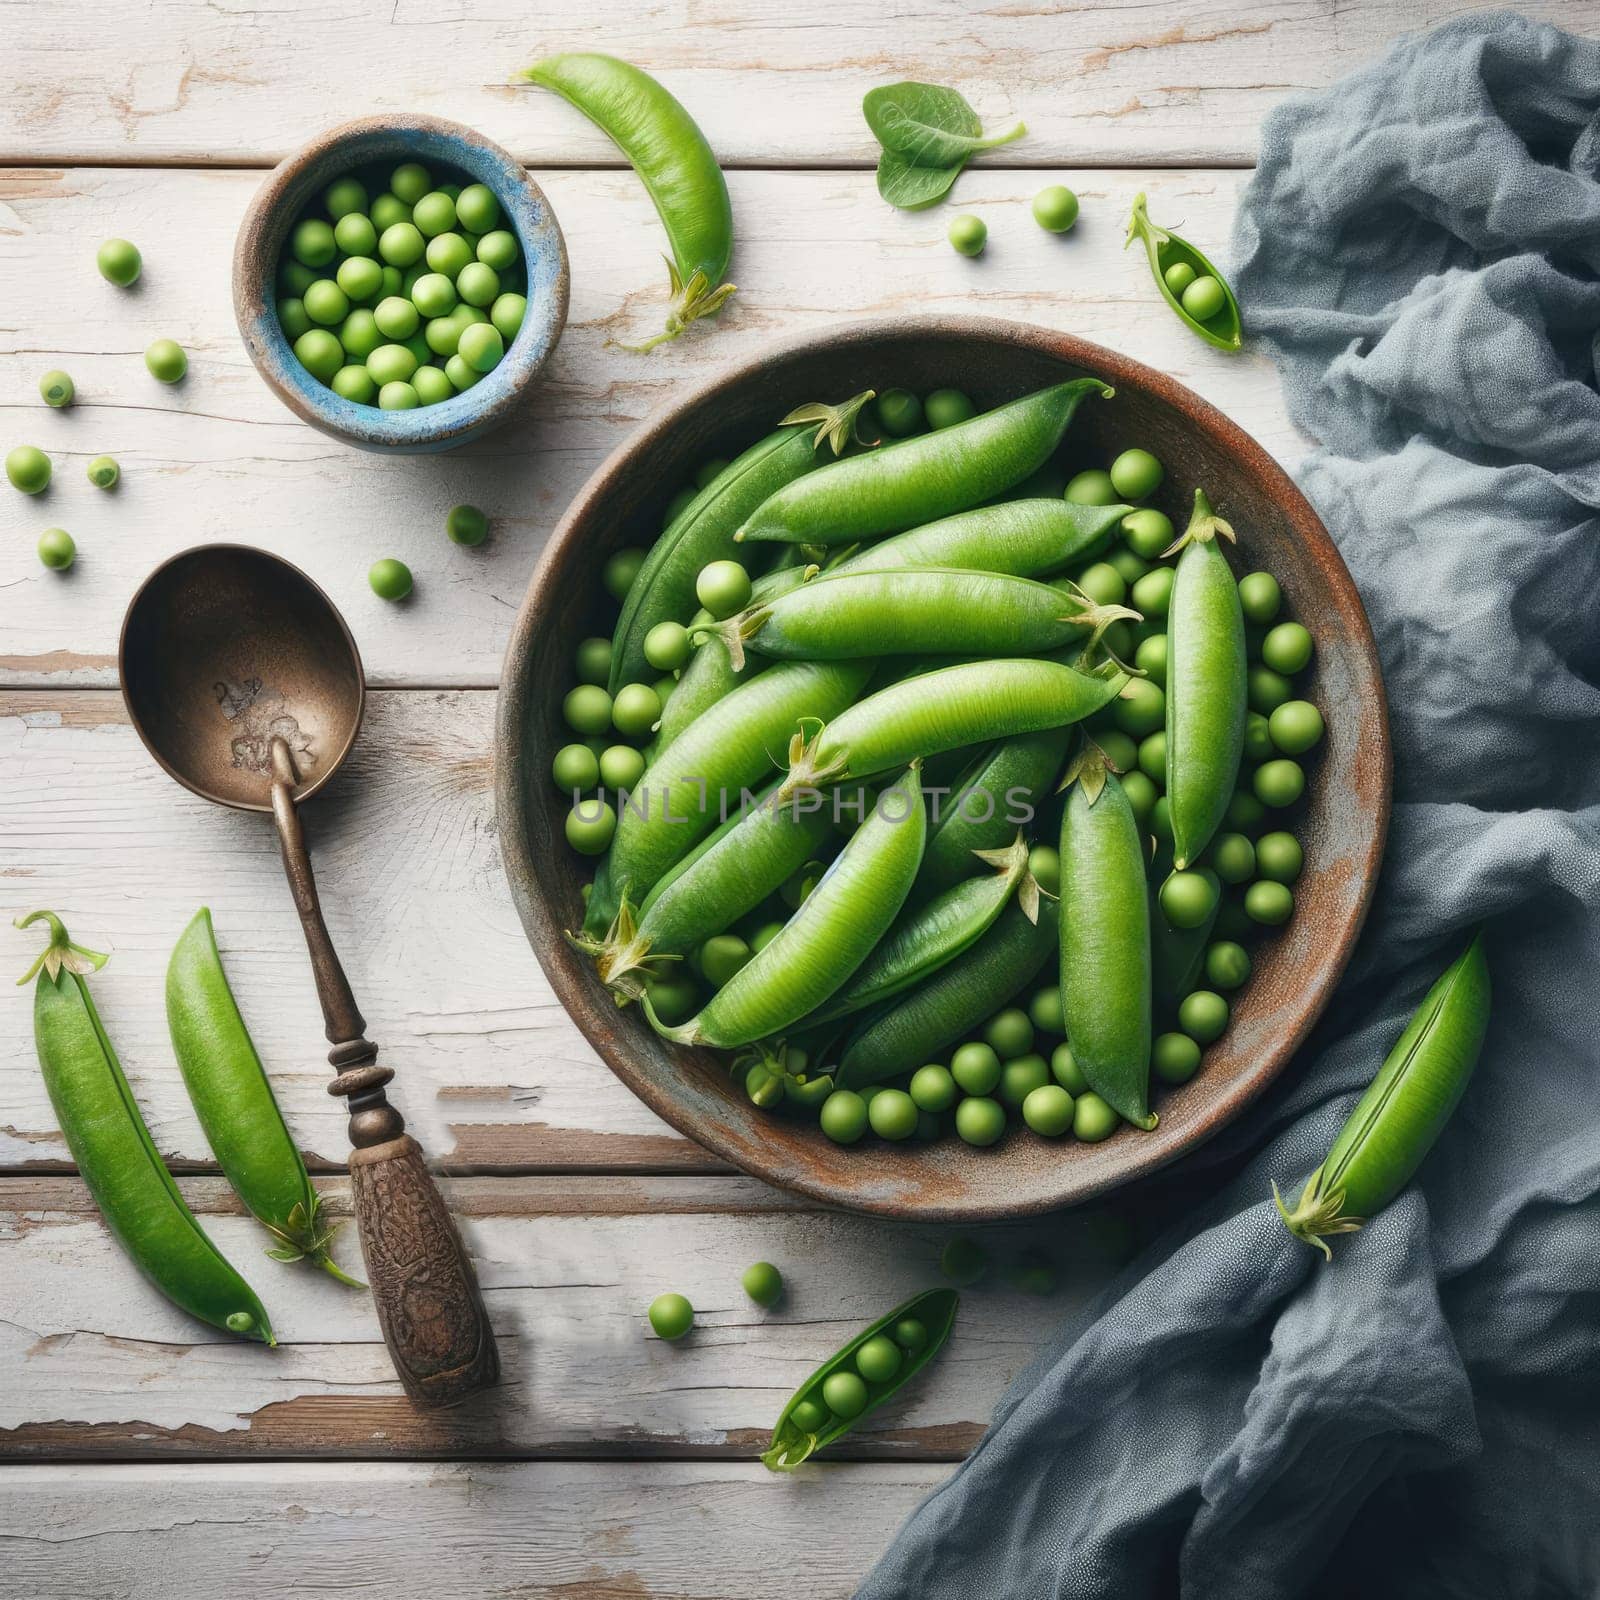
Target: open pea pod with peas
[(1197, 292), (873, 1367)]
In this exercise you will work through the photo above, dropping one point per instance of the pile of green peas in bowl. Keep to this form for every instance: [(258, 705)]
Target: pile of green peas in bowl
[(925, 605), (400, 287)]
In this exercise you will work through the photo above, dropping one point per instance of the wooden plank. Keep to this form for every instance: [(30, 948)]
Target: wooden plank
[(470, 1530), (492, 1073), (219, 458), (1098, 81), (93, 1363)]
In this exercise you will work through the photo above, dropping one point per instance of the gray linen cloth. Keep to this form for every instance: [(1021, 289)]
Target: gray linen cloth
[(1233, 1418)]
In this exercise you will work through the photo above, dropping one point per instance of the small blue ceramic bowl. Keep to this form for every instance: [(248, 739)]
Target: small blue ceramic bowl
[(384, 141)]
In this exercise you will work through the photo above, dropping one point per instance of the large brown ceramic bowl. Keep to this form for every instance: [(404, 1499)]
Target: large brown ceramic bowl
[(1345, 812)]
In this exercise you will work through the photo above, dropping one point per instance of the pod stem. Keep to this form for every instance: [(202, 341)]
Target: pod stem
[(695, 299), (60, 953), (733, 632), (838, 425), (1012, 863), (622, 958), (805, 771), (1316, 1214), (303, 1238), (1204, 526), (1097, 618), (1087, 769)]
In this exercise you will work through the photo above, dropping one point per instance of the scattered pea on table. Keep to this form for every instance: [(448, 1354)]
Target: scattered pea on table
[(28, 469), (390, 579), (57, 549), (166, 360), (466, 525), (671, 1316), (968, 235), (119, 262), (1055, 208), (56, 389), (104, 472)]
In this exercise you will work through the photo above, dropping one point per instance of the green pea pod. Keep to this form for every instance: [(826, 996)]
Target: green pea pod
[(668, 151), (917, 480), (842, 616), (956, 999), (113, 1149), (933, 1312), (234, 1102), (1206, 661), (1177, 954), (829, 937), (703, 532), (719, 755), (944, 710), (924, 939), (1165, 249), (730, 873), (710, 673), (980, 812), (1105, 939), (1404, 1110), (1027, 538)]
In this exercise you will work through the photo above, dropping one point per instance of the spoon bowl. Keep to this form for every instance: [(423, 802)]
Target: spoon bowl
[(225, 648)]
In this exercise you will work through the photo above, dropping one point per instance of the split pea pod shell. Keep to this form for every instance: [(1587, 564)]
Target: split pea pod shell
[(1206, 664), (233, 1099), (970, 703), (666, 148), (839, 617), (963, 993), (918, 480), (702, 533), (830, 936), (723, 752), (1404, 1109), (1027, 538), (118, 1159), (1105, 943), (934, 1309)]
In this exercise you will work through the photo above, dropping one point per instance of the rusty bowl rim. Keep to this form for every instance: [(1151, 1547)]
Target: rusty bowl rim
[(574, 983)]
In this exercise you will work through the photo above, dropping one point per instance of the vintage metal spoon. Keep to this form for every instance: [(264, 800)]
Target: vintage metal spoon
[(246, 685)]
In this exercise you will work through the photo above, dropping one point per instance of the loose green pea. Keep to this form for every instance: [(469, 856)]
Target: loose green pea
[(1174, 1057), (1091, 488), (1187, 899), (434, 295), (345, 197), (312, 243), (1287, 648), (1055, 208), (674, 1000), (723, 588), (589, 827), (57, 549), (477, 208), (1245, 813), (1103, 584), (507, 314), (723, 955), (320, 353), (401, 244), (294, 279), (410, 181), (435, 213), (1048, 1110), (497, 249), (1267, 690), (964, 1261), (621, 767), (482, 346), (1178, 277), (292, 318), (1044, 862), (355, 384), (1142, 796), (593, 663), (1141, 710), (1203, 1015), (1258, 744), (900, 412), (619, 572), (575, 768), (945, 408), (28, 469), (1151, 656), (396, 317), (968, 235), (1092, 1119), (398, 396), (1131, 567), (1148, 532), (359, 334), (1044, 1010), (1204, 298), (355, 234), (587, 709), (56, 389), (1161, 820), (671, 1316), (1233, 857), (390, 579), (976, 1067), (1295, 727), (1153, 758), (1268, 902), (387, 210), (478, 284), (1020, 1077), (1065, 1070), (104, 472), (764, 1284), (893, 1114), (667, 646), (119, 262), (1227, 965), (1279, 857), (1259, 597), (1279, 783), (167, 361), (466, 524), (1136, 475), (461, 376), (1152, 596), (843, 1119), (636, 710), (1009, 1033), (932, 1088), (1116, 746), (979, 1121)]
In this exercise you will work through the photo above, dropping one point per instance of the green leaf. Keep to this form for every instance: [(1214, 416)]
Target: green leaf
[(911, 188), (928, 125)]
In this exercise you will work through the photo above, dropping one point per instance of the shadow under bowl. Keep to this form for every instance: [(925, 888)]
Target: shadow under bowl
[(1341, 821)]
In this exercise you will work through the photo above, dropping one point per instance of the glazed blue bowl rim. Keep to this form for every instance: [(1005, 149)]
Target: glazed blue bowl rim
[(439, 143)]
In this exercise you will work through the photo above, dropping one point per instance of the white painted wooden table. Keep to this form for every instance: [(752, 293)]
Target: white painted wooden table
[(143, 1456)]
